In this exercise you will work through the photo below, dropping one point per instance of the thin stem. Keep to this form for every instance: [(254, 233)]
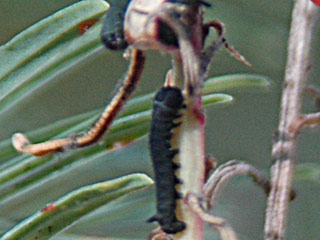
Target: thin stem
[(283, 152), (306, 120), (191, 138), (315, 93), (226, 232), (226, 171)]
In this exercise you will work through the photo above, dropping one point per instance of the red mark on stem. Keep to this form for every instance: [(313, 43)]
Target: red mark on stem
[(84, 26), (49, 208), (198, 112), (316, 2)]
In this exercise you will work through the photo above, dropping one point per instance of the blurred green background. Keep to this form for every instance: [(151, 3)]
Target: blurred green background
[(243, 130)]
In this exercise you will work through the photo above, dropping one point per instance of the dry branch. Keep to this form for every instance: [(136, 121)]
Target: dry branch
[(283, 152)]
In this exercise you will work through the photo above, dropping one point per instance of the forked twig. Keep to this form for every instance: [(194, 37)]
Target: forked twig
[(225, 231), (283, 152), (222, 174), (208, 53), (225, 171)]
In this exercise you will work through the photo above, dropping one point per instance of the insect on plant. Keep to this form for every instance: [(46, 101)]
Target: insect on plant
[(168, 103), (163, 25), (116, 37)]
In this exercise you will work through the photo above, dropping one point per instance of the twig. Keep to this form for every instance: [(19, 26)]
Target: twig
[(315, 93), (283, 152), (305, 120), (226, 232), (158, 234), (225, 171)]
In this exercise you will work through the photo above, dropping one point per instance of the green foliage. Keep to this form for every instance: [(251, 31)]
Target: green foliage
[(60, 214), (44, 50), (307, 172)]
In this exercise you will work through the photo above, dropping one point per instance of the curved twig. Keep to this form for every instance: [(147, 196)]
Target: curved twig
[(225, 171)]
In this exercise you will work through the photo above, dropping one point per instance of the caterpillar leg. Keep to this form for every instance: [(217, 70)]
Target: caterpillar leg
[(187, 2), (99, 128)]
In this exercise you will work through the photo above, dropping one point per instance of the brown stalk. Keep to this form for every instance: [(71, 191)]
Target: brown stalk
[(283, 151)]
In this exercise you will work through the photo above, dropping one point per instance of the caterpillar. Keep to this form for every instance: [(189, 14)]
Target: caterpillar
[(204, 3), (112, 33), (167, 104)]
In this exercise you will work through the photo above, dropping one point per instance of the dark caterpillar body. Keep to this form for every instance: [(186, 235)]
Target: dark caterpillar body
[(204, 3), (167, 103), (112, 33)]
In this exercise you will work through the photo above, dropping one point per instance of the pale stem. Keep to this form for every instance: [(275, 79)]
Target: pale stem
[(192, 155), (191, 141), (283, 152)]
